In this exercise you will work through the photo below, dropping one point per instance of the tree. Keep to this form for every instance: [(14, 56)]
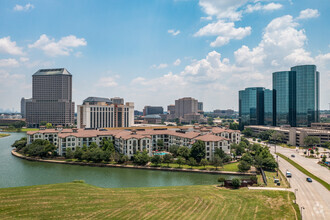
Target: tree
[(191, 162), (221, 181), (19, 124), (69, 153), (107, 155), (198, 151), (324, 158), (219, 152), (78, 153), (43, 123), (141, 158), (174, 150), (269, 163), (247, 132), (180, 161), (204, 162), (247, 158), (115, 156), (243, 166), (277, 137), (311, 141), (246, 141), (49, 125), (19, 144), (217, 162), (236, 183), (124, 159), (210, 120), (93, 145), (168, 158), (160, 143), (234, 126), (184, 152), (266, 135), (97, 155), (156, 160), (107, 145), (326, 144)]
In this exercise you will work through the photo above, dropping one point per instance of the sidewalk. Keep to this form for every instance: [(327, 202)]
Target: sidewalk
[(271, 188)]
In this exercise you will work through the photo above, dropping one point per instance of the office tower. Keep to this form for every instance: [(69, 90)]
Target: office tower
[(23, 106), (51, 98), (117, 100), (184, 106), (268, 107), (98, 112), (153, 110), (296, 96), (251, 106), (171, 109), (200, 107)]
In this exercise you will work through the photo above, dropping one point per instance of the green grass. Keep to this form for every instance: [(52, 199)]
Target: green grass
[(270, 179), (4, 135), (303, 170), (29, 129), (19, 130), (227, 167), (79, 200)]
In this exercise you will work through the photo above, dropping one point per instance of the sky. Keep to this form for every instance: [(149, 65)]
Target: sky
[(152, 52)]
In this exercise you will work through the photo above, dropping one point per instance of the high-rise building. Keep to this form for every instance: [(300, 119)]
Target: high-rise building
[(23, 106), (268, 107), (98, 112), (296, 96), (171, 109), (184, 106), (153, 110), (200, 107), (251, 106), (51, 98)]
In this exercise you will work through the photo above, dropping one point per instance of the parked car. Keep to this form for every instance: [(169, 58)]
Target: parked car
[(308, 179), (292, 155), (288, 174)]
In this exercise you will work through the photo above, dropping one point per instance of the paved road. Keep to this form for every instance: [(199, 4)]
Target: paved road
[(314, 197)]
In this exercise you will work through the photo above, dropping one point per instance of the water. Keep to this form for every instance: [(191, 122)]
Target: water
[(18, 172)]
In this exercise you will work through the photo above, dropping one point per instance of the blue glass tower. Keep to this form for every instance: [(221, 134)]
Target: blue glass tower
[(296, 96), (268, 107)]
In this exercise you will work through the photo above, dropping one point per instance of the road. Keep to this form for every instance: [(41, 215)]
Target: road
[(314, 197)]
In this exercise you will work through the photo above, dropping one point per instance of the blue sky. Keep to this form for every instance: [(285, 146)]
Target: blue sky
[(153, 52)]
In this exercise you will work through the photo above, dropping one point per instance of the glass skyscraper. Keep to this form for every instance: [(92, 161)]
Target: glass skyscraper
[(268, 107), (251, 106), (296, 96)]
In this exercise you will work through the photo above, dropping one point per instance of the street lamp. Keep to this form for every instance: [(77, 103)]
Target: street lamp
[(295, 193), (278, 167), (302, 207)]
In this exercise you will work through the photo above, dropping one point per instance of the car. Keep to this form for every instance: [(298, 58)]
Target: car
[(292, 155), (288, 174), (308, 179)]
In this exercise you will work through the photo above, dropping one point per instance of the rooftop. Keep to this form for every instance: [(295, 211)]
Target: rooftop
[(47, 72), (97, 99)]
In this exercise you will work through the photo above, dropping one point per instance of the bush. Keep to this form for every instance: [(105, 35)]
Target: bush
[(243, 166), (156, 160), (254, 179), (236, 183)]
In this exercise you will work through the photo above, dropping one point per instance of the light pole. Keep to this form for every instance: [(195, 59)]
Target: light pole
[(295, 193), (301, 208), (278, 167)]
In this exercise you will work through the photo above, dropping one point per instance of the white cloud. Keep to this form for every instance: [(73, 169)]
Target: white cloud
[(208, 18), (8, 46), (107, 81), (160, 66), (225, 32), (259, 7), (26, 7), (62, 47), (8, 62), (309, 13), (173, 32), (177, 62), (24, 59)]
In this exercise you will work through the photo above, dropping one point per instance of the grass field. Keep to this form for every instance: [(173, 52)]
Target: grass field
[(270, 179), (227, 167), (79, 200), (303, 170), (4, 135), (19, 130)]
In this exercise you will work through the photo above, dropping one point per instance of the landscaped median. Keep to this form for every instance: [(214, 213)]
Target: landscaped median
[(132, 166), (303, 170), (79, 200), (4, 135)]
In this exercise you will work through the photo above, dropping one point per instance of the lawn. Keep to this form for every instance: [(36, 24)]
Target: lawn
[(227, 167), (4, 135), (79, 200), (19, 130), (270, 179)]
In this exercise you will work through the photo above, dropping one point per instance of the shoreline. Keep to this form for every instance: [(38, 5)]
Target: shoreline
[(16, 154)]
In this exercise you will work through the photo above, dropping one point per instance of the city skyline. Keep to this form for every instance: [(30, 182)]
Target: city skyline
[(154, 53)]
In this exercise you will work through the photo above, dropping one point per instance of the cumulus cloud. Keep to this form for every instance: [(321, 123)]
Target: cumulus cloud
[(173, 32), (309, 13), (259, 7), (26, 7), (63, 47), (225, 32), (8, 62), (177, 62), (160, 66), (108, 81), (9, 47)]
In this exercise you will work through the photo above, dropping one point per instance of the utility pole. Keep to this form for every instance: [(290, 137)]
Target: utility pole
[(301, 209), (295, 193)]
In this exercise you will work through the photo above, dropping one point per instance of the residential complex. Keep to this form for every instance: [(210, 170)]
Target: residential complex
[(51, 98), (153, 110), (293, 101), (98, 112), (130, 140)]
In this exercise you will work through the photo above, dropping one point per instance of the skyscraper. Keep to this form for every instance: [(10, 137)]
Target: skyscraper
[(296, 96), (23, 106), (51, 98), (153, 110), (251, 106), (184, 106)]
